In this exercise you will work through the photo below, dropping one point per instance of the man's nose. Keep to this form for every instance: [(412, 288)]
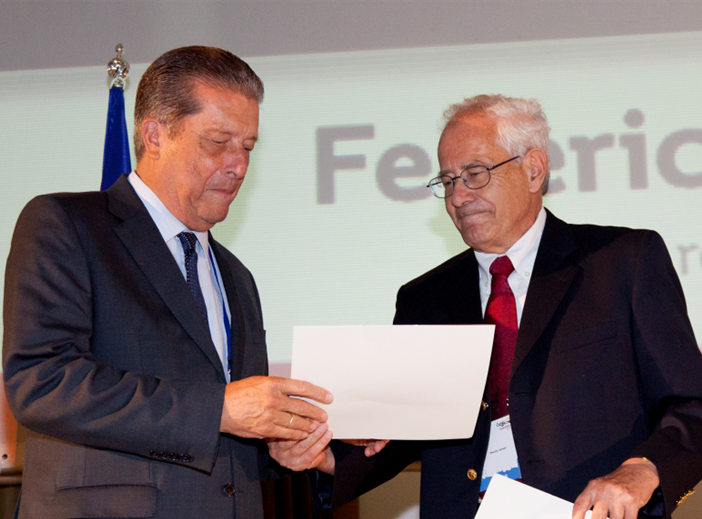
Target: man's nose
[(461, 194), (237, 161)]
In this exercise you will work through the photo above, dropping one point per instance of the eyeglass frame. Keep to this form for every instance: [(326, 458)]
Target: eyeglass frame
[(436, 180)]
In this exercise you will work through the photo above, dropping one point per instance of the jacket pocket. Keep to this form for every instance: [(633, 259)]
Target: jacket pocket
[(102, 483), (88, 467), (105, 501), (586, 336)]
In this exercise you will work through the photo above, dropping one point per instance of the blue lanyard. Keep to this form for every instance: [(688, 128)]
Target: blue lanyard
[(227, 323)]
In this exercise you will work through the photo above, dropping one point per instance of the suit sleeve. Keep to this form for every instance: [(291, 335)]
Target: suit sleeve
[(670, 365), (54, 384)]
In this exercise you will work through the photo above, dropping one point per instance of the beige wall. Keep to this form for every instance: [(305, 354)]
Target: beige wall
[(396, 499)]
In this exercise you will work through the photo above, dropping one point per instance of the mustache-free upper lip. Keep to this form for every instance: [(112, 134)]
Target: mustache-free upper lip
[(461, 213), (225, 189)]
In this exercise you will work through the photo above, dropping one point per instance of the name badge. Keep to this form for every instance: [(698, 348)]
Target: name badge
[(501, 454)]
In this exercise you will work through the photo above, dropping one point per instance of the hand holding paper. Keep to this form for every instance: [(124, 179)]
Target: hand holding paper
[(262, 407), (620, 494)]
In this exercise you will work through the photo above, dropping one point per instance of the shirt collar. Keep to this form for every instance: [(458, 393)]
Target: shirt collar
[(168, 225), (522, 254)]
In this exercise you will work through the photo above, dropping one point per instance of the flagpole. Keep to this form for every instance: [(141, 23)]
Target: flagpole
[(116, 159)]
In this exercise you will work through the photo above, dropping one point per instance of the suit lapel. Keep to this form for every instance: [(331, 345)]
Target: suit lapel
[(551, 279), (141, 237), (238, 342), (464, 294)]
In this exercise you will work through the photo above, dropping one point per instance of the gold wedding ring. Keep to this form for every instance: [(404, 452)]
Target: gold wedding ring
[(292, 416)]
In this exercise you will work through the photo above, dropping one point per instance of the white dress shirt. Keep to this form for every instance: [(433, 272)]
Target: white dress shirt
[(207, 269), (522, 255)]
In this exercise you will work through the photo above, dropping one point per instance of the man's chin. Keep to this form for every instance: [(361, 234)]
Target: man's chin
[(206, 220), (476, 239), (216, 217)]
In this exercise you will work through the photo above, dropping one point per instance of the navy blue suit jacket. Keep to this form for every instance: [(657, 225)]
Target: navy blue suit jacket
[(606, 367)]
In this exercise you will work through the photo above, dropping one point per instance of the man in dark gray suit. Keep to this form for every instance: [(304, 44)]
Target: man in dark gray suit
[(134, 348)]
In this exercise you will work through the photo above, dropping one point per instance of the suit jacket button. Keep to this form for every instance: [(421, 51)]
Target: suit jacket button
[(484, 405), (228, 490), (472, 474)]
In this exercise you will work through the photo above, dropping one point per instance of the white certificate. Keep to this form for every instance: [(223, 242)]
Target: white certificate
[(397, 382), (506, 497)]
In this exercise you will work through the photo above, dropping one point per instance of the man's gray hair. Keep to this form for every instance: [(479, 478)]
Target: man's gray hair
[(521, 123)]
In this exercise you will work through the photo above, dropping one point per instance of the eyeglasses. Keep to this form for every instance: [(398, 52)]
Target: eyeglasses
[(473, 177)]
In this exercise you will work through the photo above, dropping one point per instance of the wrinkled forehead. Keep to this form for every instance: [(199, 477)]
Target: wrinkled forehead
[(467, 135)]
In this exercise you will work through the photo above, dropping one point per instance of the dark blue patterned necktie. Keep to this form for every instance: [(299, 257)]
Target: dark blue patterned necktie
[(188, 240)]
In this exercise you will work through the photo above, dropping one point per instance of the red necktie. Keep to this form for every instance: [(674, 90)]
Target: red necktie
[(502, 312)]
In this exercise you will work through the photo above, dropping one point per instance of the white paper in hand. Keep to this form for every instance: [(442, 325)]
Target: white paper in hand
[(506, 497), (397, 382)]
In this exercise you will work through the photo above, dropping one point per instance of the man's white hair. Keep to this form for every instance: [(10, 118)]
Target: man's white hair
[(521, 123)]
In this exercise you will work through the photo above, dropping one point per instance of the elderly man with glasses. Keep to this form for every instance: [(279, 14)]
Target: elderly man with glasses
[(594, 365)]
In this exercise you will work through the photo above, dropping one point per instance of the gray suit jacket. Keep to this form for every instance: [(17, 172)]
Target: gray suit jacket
[(109, 364)]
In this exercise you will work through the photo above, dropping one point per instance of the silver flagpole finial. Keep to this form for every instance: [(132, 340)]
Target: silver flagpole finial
[(118, 68)]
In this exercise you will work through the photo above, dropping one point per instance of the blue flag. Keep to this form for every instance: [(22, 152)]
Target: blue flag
[(115, 159)]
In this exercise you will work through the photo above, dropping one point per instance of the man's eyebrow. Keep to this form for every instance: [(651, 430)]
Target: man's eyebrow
[(463, 167), (231, 134), (208, 134)]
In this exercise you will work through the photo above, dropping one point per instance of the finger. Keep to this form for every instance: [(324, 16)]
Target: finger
[(358, 443), (319, 459), (305, 409), (279, 451), (601, 510), (631, 513), (375, 447), (314, 443), (305, 463), (294, 422), (582, 504), (302, 455), (294, 387), (286, 419), (289, 426), (312, 452), (607, 512), (380, 445)]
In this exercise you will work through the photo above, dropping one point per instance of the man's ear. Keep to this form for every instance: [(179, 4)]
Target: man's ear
[(536, 161), (153, 135)]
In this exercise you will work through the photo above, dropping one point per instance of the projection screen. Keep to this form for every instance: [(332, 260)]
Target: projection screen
[(334, 215)]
